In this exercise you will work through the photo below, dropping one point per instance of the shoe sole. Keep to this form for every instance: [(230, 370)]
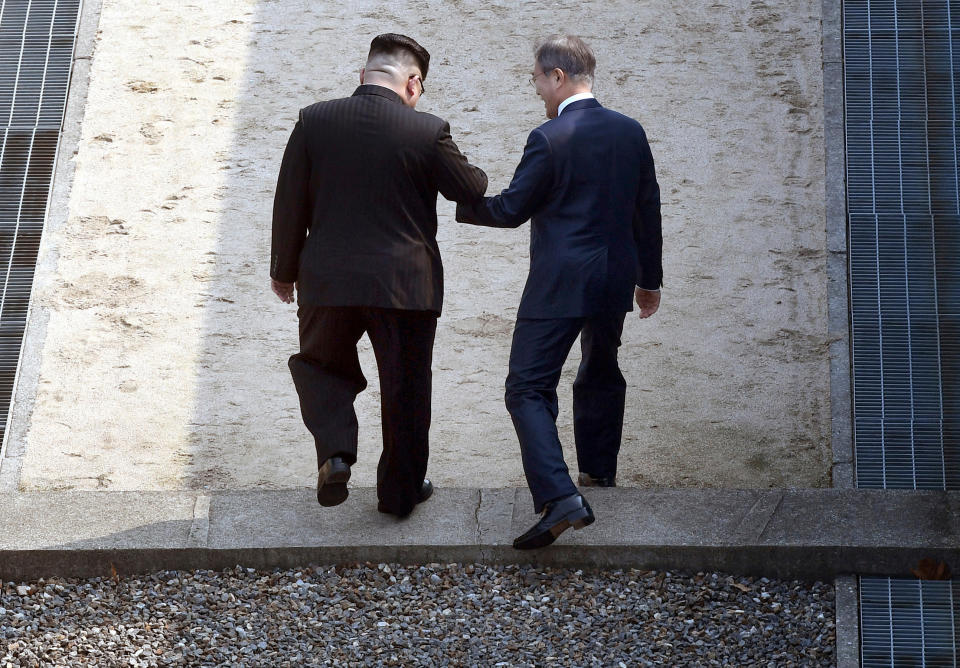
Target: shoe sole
[(334, 490), (577, 520)]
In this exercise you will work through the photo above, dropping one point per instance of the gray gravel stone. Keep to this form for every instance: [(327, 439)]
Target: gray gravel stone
[(434, 614)]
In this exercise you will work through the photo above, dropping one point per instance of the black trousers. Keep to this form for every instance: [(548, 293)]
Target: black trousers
[(540, 347), (328, 379)]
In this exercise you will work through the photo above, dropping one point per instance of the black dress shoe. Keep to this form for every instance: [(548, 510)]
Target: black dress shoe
[(558, 516), (587, 480), (332, 482), (424, 493)]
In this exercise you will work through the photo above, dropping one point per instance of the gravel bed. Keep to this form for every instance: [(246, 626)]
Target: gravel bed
[(455, 614)]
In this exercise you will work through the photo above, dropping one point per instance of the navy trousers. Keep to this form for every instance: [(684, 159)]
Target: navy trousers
[(540, 347), (328, 378)]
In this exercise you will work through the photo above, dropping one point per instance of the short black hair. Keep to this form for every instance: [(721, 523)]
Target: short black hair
[(390, 43)]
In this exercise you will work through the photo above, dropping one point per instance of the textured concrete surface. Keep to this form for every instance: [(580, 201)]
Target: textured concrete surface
[(838, 303), (158, 353), (815, 534), (847, 595), (847, 603)]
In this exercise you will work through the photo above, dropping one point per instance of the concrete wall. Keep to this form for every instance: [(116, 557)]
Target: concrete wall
[(160, 351)]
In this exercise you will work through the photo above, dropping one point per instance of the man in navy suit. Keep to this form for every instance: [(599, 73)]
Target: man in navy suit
[(587, 183)]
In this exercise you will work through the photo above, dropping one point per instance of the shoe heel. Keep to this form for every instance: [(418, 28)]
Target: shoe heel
[(585, 519)]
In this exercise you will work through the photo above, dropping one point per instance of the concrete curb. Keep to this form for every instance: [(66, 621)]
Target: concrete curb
[(838, 301), (804, 534), (847, 603)]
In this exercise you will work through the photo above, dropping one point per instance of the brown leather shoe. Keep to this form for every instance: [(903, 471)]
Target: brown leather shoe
[(587, 480), (332, 482)]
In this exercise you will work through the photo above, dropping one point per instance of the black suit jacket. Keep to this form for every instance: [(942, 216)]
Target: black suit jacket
[(355, 211), (586, 180)]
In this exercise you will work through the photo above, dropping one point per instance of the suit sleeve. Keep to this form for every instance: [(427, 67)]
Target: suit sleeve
[(647, 234), (291, 208), (523, 197), (457, 179)]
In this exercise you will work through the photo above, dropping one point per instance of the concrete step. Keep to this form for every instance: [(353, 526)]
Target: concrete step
[(792, 533)]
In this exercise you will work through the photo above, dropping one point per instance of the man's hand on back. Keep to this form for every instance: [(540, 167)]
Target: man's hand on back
[(648, 301), (283, 290)]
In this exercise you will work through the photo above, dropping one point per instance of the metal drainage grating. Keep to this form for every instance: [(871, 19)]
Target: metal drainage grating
[(37, 39), (901, 60), (908, 623)]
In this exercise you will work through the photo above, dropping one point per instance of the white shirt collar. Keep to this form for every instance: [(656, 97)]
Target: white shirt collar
[(573, 98)]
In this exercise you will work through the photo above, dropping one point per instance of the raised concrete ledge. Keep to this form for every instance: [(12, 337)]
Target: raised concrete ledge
[(806, 534), (838, 302)]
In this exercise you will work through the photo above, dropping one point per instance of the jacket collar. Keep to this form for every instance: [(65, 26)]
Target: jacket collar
[(589, 103), (382, 91)]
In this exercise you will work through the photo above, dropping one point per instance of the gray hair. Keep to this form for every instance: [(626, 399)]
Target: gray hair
[(568, 53)]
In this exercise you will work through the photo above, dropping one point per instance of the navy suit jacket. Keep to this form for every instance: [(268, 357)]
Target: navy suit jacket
[(586, 181)]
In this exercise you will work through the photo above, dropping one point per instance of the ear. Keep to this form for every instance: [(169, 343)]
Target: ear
[(363, 71), (413, 86)]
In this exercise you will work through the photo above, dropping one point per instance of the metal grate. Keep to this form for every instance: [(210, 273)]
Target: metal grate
[(908, 623), (37, 39), (901, 60)]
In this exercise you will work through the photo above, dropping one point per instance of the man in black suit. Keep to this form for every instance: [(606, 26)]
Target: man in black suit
[(354, 230), (586, 181)]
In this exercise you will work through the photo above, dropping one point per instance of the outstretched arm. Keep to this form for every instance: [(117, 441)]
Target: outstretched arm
[(525, 194), (457, 179)]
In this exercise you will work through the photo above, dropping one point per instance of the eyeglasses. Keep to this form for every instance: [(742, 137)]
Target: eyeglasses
[(420, 81), (533, 79)]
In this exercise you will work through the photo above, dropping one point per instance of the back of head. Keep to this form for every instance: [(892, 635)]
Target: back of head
[(392, 49), (568, 53)]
